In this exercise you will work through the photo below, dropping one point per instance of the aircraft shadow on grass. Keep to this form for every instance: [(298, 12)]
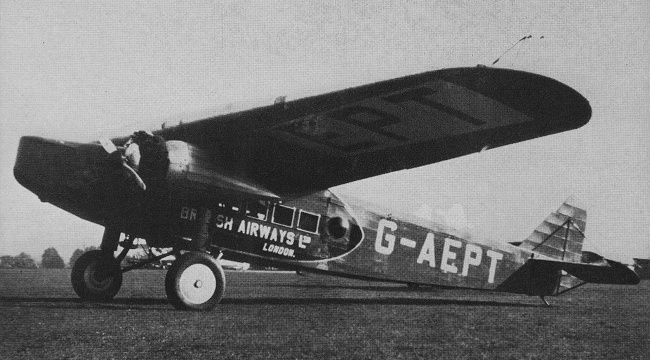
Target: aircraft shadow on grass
[(120, 304)]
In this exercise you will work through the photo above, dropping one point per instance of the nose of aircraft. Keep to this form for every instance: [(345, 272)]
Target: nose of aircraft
[(42, 163), (54, 170)]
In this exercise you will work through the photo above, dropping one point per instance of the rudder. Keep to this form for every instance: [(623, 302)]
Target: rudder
[(561, 235)]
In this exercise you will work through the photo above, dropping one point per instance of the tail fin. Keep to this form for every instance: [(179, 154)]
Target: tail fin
[(560, 235)]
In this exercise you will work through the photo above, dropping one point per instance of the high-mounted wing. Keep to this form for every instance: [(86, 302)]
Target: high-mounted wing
[(322, 141)]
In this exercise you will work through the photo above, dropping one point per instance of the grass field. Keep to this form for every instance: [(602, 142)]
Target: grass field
[(285, 316)]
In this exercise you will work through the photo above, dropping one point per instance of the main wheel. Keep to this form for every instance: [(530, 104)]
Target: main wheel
[(96, 276), (195, 281)]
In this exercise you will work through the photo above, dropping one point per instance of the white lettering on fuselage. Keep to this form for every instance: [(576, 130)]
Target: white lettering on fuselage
[(259, 230), (266, 232), (224, 222), (388, 246), (448, 254), (452, 252), (471, 260), (428, 251), (280, 250), (188, 213), (494, 257)]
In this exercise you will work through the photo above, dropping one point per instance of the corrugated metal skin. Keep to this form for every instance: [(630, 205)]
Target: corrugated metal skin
[(561, 235)]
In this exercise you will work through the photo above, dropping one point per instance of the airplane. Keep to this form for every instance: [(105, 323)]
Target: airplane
[(255, 186)]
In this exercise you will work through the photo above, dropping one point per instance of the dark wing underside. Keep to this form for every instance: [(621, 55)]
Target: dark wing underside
[(322, 141)]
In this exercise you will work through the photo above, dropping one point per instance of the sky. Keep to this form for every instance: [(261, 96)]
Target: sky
[(88, 70)]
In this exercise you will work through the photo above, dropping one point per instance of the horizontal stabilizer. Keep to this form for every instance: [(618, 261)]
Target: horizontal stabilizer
[(545, 277), (611, 272)]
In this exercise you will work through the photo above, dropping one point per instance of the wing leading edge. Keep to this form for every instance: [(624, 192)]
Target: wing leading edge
[(322, 141)]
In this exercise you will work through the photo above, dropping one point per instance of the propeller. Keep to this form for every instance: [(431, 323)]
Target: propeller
[(110, 148)]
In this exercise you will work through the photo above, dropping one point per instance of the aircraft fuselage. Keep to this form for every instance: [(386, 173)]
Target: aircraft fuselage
[(322, 233), (204, 208)]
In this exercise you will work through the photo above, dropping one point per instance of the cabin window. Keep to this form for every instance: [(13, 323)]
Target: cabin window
[(283, 215), (308, 221), (258, 209), (228, 208)]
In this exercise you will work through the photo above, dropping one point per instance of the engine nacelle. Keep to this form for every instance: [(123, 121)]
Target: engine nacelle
[(196, 169)]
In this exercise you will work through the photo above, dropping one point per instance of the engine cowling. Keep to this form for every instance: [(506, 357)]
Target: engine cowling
[(196, 169)]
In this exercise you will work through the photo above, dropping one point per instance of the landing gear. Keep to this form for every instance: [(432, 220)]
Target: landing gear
[(195, 281), (96, 275)]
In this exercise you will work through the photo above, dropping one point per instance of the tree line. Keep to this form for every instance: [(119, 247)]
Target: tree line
[(52, 260), (49, 260)]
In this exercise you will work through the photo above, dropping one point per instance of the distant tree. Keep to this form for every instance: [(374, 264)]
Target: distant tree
[(77, 253), (52, 259), (6, 261), (25, 261), (20, 261)]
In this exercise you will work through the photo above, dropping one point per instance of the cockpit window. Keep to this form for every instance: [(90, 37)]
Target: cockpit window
[(258, 209), (283, 215), (308, 221)]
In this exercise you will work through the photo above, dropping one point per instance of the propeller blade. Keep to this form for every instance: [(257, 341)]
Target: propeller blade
[(108, 145), (138, 179)]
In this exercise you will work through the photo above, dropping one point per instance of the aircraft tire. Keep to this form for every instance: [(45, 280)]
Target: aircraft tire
[(195, 281), (89, 276)]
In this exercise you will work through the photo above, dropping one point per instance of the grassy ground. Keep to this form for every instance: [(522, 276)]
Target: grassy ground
[(282, 315)]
